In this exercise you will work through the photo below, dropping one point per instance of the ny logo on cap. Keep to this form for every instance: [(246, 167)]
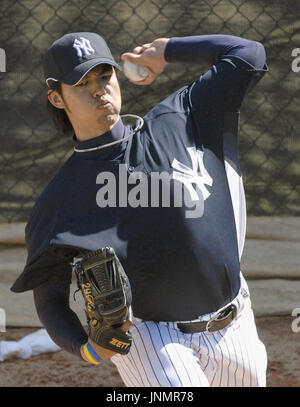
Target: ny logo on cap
[(83, 46)]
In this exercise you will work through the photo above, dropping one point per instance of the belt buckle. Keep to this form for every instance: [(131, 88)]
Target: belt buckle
[(231, 308), (208, 324)]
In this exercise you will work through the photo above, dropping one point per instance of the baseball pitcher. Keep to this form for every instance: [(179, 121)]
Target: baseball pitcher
[(150, 217)]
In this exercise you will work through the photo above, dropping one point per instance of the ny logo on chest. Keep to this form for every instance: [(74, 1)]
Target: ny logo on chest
[(197, 175)]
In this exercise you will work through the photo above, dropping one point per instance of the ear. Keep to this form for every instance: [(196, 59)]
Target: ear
[(55, 99)]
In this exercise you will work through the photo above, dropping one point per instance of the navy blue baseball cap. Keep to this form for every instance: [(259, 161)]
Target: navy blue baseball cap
[(72, 56)]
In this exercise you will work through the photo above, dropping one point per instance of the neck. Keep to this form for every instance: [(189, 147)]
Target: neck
[(112, 138), (83, 134)]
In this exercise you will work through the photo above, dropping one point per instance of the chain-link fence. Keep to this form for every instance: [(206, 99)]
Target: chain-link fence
[(32, 150)]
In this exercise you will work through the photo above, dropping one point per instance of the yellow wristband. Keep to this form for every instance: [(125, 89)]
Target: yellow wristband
[(89, 356)]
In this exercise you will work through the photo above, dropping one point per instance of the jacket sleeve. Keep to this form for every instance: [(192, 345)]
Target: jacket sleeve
[(60, 321), (236, 66), (43, 257)]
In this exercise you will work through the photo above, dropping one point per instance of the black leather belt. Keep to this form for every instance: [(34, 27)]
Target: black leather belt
[(220, 321)]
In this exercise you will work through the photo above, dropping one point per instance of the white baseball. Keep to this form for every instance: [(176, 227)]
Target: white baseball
[(134, 72)]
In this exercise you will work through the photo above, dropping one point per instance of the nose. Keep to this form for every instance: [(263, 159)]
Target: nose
[(100, 88)]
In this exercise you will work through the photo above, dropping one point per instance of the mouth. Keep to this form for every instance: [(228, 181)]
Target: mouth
[(104, 103)]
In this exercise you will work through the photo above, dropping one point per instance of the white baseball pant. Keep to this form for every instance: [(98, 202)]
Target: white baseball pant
[(162, 356)]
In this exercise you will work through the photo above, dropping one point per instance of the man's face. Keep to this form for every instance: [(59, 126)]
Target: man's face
[(93, 105)]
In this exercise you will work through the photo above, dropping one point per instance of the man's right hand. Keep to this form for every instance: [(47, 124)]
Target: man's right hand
[(151, 56)]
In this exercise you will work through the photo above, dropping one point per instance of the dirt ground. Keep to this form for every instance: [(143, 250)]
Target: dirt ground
[(61, 369)]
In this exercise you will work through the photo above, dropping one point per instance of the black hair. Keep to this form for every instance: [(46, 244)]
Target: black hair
[(59, 116)]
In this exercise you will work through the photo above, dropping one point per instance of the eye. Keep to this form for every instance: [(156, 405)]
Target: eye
[(106, 75), (83, 83)]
